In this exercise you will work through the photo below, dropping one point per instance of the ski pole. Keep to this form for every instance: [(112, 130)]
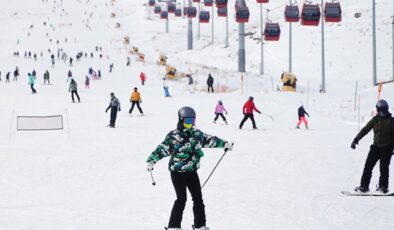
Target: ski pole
[(225, 151), (151, 176), (266, 115)]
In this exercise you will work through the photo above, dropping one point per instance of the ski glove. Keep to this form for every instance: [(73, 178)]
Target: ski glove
[(228, 146), (149, 166), (354, 143)]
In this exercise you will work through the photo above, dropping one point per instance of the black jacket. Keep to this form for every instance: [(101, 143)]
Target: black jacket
[(383, 128), (210, 80), (302, 112)]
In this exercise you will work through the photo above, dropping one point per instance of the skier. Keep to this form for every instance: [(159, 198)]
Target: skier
[(190, 82), (114, 105), (301, 117), (381, 149), (99, 74), (46, 77), (142, 78), (128, 61), (184, 146), (73, 89), (111, 67), (71, 61), (166, 89), (248, 112), (31, 83), (87, 82), (135, 99), (16, 74), (7, 77), (219, 112), (210, 83), (69, 75), (34, 73)]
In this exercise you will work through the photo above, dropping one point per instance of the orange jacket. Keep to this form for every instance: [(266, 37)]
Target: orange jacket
[(135, 96)]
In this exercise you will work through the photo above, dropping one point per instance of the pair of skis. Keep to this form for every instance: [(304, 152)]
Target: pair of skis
[(347, 193), (165, 228)]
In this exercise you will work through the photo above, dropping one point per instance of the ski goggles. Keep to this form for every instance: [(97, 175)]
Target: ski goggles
[(189, 120)]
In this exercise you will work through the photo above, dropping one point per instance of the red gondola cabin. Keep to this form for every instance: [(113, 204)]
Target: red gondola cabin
[(164, 14), (332, 12), (171, 7), (221, 3), (208, 2), (222, 12), (272, 32), (310, 15), (204, 16), (242, 15), (157, 9), (292, 14), (178, 12), (191, 12)]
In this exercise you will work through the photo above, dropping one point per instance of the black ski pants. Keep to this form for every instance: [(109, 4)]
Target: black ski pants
[(181, 181), (221, 115), (114, 112), (133, 103), (72, 95), (248, 115), (33, 90), (375, 154), (210, 88)]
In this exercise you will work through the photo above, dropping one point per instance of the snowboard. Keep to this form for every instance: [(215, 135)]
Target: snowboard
[(347, 193)]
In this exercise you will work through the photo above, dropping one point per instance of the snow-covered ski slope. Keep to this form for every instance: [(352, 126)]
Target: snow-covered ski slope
[(91, 177)]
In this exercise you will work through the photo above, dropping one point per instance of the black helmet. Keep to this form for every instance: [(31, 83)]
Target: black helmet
[(383, 107), (251, 98), (112, 94), (186, 112)]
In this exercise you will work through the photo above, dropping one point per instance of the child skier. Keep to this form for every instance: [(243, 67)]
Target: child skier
[(31, 83), (301, 117), (184, 145), (87, 82), (142, 78), (219, 112), (381, 149)]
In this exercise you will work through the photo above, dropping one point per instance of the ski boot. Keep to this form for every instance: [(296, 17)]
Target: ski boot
[(214, 121), (226, 122), (382, 190), (201, 228), (361, 189), (298, 127), (172, 228), (306, 126)]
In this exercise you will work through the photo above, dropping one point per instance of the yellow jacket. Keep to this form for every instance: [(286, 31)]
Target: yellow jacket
[(135, 96)]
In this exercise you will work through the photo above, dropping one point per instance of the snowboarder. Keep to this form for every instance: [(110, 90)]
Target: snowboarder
[(46, 77), (301, 117), (87, 82), (31, 83), (74, 90), (219, 112), (381, 149), (210, 83), (142, 78), (135, 99), (114, 105), (184, 146), (248, 112)]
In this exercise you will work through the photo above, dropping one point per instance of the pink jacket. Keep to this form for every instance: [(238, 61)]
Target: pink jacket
[(220, 108)]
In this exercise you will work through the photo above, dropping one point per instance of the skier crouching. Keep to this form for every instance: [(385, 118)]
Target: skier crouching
[(184, 145), (381, 149)]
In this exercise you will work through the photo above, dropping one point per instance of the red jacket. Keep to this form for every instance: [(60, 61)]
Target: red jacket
[(249, 107), (142, 76)]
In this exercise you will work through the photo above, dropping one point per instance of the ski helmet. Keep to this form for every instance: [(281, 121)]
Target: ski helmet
[(112, 94), (186, 112), (251, 98), (383, 107)]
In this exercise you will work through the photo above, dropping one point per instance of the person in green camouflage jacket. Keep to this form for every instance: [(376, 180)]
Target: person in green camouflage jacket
[(381, 150), (183, 145)]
